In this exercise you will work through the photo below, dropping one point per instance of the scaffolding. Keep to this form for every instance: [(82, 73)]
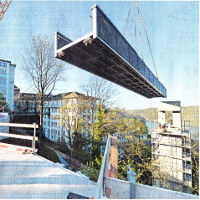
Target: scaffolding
[(171, 155)]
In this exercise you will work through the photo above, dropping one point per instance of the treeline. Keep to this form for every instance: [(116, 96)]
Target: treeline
[(151, 114), (191, 113), (89, 121)]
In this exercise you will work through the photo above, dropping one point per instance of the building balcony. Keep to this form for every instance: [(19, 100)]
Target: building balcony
[(188, 171), (186, 155), (186, 144), (187, 181), (187, 168)]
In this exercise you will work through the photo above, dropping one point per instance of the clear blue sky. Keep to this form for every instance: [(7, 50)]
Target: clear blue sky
[(172, 28)]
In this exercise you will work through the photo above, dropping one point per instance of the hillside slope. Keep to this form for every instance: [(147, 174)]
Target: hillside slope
[(188, 113)]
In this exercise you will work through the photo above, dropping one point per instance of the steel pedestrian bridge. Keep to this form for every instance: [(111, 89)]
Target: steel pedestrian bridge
[(106, 53)]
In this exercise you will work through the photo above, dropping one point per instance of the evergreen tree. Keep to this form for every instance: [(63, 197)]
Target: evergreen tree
[(98, 133), (136, 154), (195, 167)]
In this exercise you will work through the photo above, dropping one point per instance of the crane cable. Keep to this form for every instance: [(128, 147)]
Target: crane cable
[(142, 19), (129, 12), (140, 13), (140, 42)]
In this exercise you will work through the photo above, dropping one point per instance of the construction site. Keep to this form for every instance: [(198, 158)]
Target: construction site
[(171, 150), (106, 53)]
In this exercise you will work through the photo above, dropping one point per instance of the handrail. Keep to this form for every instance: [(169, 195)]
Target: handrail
[(26, 137), (19, 125)]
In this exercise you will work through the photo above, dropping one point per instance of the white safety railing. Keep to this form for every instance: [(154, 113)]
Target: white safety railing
[(34, 126)]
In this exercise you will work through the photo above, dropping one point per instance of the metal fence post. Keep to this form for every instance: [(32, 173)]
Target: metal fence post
[(132, 179), (131, 175)]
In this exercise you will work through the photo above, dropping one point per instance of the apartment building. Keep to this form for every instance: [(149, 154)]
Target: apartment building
[(171, 150), (67, 113), (25, 101), (7, 73), (4, 117)]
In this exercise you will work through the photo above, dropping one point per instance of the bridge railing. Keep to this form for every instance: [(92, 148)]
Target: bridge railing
[(33, 126)]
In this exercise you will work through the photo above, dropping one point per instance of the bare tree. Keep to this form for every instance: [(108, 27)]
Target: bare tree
[(42, 69), (103, 91)]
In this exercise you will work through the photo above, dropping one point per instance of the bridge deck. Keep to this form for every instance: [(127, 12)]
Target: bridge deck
[(107, 54)]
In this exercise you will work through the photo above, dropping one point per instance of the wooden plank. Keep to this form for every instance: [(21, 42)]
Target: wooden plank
[(19, 125), (27, 137)]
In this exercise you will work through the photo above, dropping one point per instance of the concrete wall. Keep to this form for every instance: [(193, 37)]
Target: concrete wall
[(177, 119), (104, 169), (175, 107), (161, 117), (169, 106), (117, 189), (148, 192)]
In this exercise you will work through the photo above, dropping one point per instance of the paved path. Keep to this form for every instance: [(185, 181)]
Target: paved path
[(28, 176)]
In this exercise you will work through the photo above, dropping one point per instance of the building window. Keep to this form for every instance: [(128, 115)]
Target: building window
[(2, 80), (3, 90), (3, 71), (3, 64)]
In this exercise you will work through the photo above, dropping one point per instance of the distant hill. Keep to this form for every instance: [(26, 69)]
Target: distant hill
[(149, 114), (191, 113), (188, 113)]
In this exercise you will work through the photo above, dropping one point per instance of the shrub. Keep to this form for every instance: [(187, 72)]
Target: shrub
[(49, 154), (91, 172)]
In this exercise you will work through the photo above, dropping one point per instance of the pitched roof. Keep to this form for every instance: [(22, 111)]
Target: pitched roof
[(67, 95)]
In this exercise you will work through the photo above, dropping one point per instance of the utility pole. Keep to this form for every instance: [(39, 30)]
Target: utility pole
[(3, 7)]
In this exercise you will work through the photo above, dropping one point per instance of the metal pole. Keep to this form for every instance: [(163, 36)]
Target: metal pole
[(34, 134), (131, 175)]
